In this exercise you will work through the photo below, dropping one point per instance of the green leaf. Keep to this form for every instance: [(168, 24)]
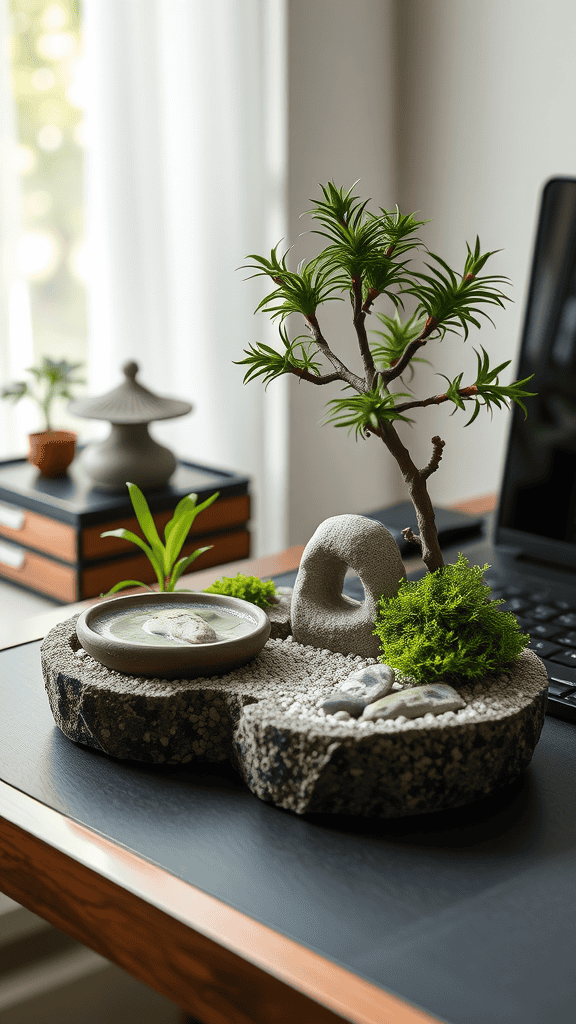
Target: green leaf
[(135, 539), (188, 512), (185, 504), (147, 524), (183, 564), (127, 583)]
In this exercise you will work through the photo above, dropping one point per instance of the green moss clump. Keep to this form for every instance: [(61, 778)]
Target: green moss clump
[(249, 588), (446, 627)]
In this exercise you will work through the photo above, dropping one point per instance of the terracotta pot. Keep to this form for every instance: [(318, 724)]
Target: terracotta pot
[(52, 451)]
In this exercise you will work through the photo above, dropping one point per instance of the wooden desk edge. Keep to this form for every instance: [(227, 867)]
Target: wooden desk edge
[(86, 873)]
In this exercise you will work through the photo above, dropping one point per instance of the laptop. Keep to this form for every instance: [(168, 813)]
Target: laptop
[(532, 553)]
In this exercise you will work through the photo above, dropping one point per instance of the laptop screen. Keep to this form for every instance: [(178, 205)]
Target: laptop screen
[(537, 512)]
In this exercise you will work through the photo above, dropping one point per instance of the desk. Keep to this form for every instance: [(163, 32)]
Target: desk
[(244, 914)]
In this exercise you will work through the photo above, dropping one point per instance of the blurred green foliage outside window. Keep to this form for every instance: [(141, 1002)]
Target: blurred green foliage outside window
[(47, 83)]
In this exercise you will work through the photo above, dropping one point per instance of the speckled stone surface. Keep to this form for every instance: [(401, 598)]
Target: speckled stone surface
[(266, 718), (322, 615), (279, 614)]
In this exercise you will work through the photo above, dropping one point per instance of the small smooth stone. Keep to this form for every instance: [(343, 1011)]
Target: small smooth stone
[(182, 626), (415, 702), (354, 687), (376, 681), (342, 716), (344, 702)]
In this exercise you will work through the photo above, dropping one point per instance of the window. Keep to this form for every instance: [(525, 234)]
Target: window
[(47, 83)]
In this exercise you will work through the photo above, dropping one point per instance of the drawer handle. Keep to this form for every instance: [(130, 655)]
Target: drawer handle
[(11, 517), (12, 556)]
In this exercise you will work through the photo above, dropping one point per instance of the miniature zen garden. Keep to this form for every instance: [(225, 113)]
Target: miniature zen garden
[(423, 696)]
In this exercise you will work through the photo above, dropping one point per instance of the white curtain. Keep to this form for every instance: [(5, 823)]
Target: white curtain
[(185, 167), (16, 348)]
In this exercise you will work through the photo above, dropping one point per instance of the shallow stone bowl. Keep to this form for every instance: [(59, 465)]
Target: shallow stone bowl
[(98, 630)]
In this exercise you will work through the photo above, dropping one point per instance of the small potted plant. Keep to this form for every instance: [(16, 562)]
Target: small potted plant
[(51, 451)]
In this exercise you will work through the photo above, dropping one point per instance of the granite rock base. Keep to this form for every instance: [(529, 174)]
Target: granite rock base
[(266, 719)]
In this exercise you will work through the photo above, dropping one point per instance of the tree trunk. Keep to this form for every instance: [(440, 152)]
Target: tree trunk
[(416, 483)]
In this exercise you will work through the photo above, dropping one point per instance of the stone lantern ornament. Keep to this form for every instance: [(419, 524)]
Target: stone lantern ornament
[(129, 452)]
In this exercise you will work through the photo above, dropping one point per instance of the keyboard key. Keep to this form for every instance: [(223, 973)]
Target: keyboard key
[(546, 630), (545, 649), (560, 673), (559, 689), (564, 658), (526, 625), (570, 698), (543, 612), (542, 597), (569, 620), (566, 639), (516, 604)]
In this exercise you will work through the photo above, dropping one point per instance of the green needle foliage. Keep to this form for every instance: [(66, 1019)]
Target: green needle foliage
[(368, 410), (163, 557), (264, 361), (395, 338), (446, 627), (456, 301), (248, 588), (301, 292)]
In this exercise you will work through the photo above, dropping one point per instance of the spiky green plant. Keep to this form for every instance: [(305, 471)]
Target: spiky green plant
[(367, 257), (445, 627)]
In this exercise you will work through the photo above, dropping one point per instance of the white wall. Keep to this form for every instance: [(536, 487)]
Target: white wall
[(486, 96), (341, 110)]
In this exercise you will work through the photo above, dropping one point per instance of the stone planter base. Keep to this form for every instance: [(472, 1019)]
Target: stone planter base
[(265, 718)]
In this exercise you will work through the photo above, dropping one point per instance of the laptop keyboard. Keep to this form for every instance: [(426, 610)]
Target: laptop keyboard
[(552, 627)]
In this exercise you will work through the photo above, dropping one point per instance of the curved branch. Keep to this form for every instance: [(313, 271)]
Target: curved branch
[(398, 369), (359, 318), (410, 537), (437, 452), (312, 378), (469, 392), (342, 370)]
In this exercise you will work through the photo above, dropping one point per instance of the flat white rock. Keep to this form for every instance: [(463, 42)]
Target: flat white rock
[(176, 625), (415, 702), (372, 682)]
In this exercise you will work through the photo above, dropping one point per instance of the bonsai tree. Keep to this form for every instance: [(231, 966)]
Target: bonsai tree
[(367, 257), (52, 380)]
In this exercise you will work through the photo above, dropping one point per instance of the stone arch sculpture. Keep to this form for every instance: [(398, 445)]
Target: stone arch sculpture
[(321, 614)]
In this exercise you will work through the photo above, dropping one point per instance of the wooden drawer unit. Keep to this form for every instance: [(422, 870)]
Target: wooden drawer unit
[(36, 572), (50, 529), (39, 532)]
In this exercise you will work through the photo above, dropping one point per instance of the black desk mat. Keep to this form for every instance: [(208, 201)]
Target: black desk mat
[(469, 914)]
